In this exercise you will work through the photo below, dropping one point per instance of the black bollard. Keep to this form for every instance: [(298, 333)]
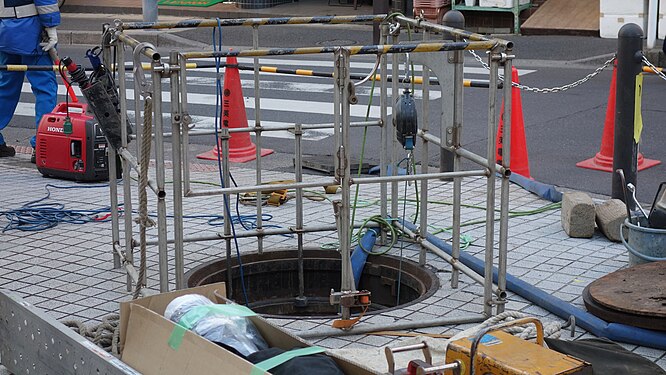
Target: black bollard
[(455, 19), (629, 65)]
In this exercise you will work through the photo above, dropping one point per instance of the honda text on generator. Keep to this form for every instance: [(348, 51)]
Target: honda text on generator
[(71, 143)]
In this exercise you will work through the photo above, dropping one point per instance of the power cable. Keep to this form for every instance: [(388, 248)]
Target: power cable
[(227, 209)]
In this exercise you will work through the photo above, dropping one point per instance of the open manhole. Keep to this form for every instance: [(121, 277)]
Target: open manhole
[(271, 281)]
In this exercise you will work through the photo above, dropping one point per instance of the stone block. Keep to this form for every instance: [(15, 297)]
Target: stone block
[(578, 214), (609, 216)]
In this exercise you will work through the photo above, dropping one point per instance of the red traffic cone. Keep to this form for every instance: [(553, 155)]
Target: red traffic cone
[(603, 160), (241, 147), (519, 161)]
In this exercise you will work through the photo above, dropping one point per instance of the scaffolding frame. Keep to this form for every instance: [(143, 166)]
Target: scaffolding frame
[(443, 57)]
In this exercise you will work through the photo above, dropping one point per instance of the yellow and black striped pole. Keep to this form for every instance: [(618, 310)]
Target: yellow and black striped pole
[(253, 22), (373, 49)]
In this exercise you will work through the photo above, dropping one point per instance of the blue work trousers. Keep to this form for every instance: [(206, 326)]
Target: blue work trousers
[(43, 84)]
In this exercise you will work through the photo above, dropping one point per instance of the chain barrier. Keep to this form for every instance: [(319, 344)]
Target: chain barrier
[(656, 70), (549, 90)]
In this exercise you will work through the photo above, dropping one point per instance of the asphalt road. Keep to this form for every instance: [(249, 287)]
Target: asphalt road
[(561, 128)]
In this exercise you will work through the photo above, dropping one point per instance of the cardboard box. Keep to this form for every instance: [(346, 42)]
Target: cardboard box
[(144, 335)]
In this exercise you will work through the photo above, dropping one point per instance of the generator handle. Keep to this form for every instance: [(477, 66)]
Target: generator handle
[(390, 351), (64, 107), (484, 331)]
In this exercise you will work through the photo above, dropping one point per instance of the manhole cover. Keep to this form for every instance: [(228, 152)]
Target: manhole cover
[(271, 281), (634, 296)]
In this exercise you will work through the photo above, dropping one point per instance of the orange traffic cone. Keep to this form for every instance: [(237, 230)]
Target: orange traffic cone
[(519, 161), (603, 160), (241, 147)]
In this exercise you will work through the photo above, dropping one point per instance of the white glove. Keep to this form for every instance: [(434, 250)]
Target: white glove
[(52, 38)]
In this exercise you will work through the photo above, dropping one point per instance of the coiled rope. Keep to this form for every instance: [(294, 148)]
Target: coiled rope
[(106, 334)]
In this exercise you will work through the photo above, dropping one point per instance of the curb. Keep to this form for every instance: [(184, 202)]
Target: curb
[(157, 38), (175, 11)]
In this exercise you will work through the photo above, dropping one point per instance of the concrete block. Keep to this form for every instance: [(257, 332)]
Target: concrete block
[(578, 214), (609, 216)]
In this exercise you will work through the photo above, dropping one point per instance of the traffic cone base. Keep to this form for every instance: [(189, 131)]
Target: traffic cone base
[(603, 160), (241, 147), (236, 155), (605, 164)]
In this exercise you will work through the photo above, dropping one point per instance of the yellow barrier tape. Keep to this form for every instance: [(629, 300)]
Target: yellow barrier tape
[(638, 117)]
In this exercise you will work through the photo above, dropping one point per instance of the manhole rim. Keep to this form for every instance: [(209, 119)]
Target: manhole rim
[(273, 254)]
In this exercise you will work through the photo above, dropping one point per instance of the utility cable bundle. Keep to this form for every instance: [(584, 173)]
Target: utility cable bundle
[(38, 215)]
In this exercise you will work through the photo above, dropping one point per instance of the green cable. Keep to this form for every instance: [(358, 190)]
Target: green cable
[(365, 137)]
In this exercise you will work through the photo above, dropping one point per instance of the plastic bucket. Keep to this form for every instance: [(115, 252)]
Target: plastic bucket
[(644, 244)]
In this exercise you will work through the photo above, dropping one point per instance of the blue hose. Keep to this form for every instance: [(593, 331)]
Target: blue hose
[(545, 191), (598, 327), (361, 252)]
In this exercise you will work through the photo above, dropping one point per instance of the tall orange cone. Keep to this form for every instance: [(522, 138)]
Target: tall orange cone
[(603, 160), (241, 147), (519, 160)]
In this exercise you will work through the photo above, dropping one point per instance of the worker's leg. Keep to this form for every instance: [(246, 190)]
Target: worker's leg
[(44, 86), (10, 91)]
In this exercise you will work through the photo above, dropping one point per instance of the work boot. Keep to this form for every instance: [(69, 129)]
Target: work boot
[(33, 158), (6, 151)]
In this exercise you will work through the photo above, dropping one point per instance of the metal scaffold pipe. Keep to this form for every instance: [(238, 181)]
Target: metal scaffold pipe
[(253, 22), (453, 31), (353, 50)]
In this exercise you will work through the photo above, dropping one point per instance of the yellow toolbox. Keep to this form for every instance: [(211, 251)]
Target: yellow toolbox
[(496, 352)]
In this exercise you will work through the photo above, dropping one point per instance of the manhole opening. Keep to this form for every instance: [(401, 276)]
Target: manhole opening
[(271, 281)]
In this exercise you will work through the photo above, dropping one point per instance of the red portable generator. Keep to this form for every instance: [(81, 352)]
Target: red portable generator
[(81, 155)]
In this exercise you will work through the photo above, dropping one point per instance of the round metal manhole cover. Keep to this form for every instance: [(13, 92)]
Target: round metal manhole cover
[(272, 282), (634, 296), (336, 42)]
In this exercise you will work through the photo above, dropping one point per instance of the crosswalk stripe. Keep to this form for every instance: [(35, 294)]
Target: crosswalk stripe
[(208, 122)]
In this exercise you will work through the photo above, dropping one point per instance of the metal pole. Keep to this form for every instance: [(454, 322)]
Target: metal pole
[(185, 129), (149, 10), (267, 231), (224, 141), (113, 183), (378, 7), (383, 153), (629, 65), (490, 192), (298, 155), (395, 67), (257, 126), (398, 326), (163, 255), (653, 13), (425, 118), (345, 178), (504, 197), (127, 182), (456, 19), (176, 147)]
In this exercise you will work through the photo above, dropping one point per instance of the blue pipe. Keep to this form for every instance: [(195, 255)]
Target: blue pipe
[(598, 327), (543, 190), (359, 256)]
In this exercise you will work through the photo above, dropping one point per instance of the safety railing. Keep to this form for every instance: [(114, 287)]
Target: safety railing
[(431, 52)]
